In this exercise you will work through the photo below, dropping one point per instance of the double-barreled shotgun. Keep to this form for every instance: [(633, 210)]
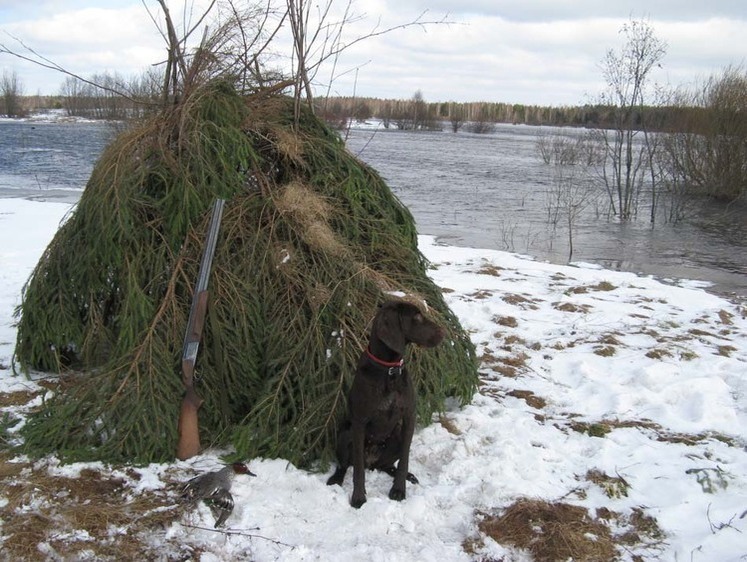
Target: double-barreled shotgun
[(189, 432)]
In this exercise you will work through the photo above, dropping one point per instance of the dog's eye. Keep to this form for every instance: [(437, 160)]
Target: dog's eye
[(418, 318)]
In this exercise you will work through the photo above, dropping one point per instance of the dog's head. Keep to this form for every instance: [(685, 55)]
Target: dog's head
[(398, 323)]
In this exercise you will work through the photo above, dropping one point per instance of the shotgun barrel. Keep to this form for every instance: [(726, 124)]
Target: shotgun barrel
[(189, 434)]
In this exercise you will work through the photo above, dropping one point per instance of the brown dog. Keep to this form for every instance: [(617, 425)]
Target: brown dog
[(381, 402)]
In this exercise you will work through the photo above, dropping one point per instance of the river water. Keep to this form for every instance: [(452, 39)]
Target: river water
[(483, 191), (491, 191)]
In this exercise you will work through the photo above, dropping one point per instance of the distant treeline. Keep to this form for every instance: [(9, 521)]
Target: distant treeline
[(418, 114), (84, 100)]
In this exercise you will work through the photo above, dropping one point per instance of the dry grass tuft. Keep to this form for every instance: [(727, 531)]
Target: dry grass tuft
[(725, 317), (493, 270), (504, 366), (513, 339), (482, 294), (695, 439), (610, 339), (312, 212), (701, 333), (551, 532), (601, 286), (9, 468), (605, 351), (642, 529), (577, 290), (530, 398), (304, 203), (17, 398), (605, 426), (508, 321), (570, 307), (658, 353), (93, 516), (520, 301), (600, 429), (289, 145), (504, 370), (518, 361), (614, 487), (687, 355), (726, 350), (449, 425), (321, 237)]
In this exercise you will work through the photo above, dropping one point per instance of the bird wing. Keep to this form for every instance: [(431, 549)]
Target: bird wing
[(221, 505)]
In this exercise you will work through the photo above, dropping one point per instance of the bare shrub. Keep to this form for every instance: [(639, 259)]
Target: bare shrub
[(571, 190), (707, 150), (11, 90)]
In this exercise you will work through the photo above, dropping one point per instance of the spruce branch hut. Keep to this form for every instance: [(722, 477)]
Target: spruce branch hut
[(311, 241)]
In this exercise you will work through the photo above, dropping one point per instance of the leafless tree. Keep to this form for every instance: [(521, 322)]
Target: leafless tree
[(456, 117), (571, 191), (11, 89), (482, 124), (627, 161), (675, 198), (386, 114)]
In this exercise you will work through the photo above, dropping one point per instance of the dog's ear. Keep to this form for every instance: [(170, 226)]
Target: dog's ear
[(388, 328)]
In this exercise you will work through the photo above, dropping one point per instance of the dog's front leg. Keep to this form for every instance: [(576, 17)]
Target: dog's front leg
[(359, 464), (398, 492)]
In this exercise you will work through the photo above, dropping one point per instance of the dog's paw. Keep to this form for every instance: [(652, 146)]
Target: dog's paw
[(335, 479), (356, 502), (397, 495), (412, 478), (338, 477)]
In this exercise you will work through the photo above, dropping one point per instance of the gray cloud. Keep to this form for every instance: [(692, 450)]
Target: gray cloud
[(539, 52), (554, 10)]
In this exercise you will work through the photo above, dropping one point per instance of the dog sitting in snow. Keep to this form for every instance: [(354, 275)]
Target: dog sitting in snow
[(381, 401)]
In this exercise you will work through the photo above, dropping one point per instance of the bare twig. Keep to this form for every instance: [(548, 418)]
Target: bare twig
[(231, 532), (715, 527)]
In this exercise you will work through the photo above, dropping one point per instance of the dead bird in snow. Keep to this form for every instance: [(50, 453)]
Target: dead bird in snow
[(214, 488)]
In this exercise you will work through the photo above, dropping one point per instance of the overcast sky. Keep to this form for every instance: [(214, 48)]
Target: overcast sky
[(545, 52)]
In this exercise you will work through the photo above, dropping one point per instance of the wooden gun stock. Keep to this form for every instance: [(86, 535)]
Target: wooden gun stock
[(189, 431)]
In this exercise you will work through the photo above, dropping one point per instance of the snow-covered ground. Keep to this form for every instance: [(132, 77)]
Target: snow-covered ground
[(605, 390)]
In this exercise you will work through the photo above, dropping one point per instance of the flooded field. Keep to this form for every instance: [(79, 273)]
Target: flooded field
[(491, 191)]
